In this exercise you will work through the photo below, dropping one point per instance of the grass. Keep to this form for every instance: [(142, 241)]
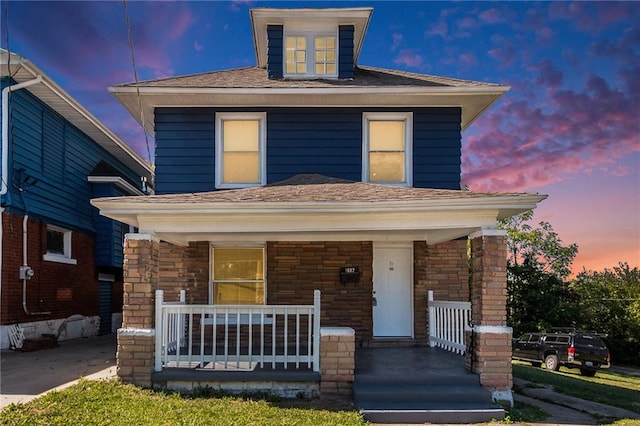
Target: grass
[(113, 403), (607, 387), (525, 413)]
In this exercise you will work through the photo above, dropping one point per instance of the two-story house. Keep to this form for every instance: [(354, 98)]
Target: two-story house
[(309, 172), (61, 262)]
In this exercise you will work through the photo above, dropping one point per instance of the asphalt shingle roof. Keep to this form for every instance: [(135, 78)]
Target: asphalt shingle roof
[(255, 78), (315, 188)]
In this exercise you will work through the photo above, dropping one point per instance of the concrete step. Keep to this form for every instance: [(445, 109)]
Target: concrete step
[(419, 377), (420, 393), (421, 416)]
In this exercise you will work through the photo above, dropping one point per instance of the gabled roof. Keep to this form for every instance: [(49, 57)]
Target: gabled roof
[(316, 207), (250, 86), (49, 92)]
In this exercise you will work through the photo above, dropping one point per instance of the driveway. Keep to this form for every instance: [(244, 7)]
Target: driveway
[(26, 375)]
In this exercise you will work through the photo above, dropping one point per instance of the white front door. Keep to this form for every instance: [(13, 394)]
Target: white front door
[(392, 284)]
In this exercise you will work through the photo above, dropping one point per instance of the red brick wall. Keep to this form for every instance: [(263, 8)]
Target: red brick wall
[(296, 269), (57, 287), (184, 268), (442, 268)]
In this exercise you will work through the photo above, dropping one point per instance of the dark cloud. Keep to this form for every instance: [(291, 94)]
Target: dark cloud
[(549, 75)]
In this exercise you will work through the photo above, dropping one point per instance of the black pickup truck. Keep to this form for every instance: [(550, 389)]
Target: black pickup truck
[(572, 349)]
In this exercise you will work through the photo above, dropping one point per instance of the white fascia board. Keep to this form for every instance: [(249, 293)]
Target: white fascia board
[(118, 181), (80, 116), (472, 100)]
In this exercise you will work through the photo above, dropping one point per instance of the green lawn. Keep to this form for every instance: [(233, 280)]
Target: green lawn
[(112, 403), (607, 387)]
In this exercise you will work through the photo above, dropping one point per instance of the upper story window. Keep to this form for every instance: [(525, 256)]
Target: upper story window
[(238, 275), (58, 245), (386, 148), (310, 55), (240, 149)]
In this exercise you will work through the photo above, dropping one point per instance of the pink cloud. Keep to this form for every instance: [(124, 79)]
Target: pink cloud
[(506, 55), (468, 59), (522, 145), (490, 16), (549, 75), (409, 58), (440, 28), (397, 39)]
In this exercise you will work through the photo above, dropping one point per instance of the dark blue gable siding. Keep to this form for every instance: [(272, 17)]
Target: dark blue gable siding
[(185, 149), (109, 233), (302, 140), (275, 49), (345, 51), (50, 160)]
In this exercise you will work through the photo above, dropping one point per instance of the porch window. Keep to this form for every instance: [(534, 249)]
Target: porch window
[(310, 55), (387, 148), (240, 152), (238, 275), (58, 245)]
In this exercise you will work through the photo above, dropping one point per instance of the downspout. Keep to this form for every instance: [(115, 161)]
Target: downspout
[(5, 127), (4, 185)]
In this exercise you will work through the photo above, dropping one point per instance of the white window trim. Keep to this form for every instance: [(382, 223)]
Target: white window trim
[(261, 245), (61, 258), (262, 137), (311, 56), (407, 117)]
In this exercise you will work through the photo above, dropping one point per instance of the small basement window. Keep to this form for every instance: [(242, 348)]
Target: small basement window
[(59, 245)]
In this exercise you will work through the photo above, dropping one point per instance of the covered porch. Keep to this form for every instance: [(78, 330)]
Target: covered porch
[(311, 234)]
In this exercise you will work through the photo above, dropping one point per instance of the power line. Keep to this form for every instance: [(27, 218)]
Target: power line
[(135, 76)]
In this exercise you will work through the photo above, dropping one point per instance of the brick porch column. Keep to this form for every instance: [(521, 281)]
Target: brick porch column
[(490, 356), (337, 360), (135, 356)]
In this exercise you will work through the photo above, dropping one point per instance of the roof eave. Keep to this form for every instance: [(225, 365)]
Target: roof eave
[(473, 100), (53, 95)]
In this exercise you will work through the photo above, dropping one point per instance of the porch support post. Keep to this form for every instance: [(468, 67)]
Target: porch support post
[(337, 360), (490, 345), (136, 346)]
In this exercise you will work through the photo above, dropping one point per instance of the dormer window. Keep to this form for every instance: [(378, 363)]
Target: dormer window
[(310, 55)]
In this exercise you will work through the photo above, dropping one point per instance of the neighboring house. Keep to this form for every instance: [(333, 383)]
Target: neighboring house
[(61, 270), (309, 172)]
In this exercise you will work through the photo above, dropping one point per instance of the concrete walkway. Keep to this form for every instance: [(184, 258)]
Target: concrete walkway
[(27, 375)]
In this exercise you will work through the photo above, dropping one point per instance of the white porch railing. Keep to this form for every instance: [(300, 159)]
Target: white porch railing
[(236, 337), (447, 323)]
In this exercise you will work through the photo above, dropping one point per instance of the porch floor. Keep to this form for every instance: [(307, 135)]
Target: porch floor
[(419, 385)]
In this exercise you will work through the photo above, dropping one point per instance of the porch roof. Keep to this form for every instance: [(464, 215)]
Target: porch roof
[(314, 207)]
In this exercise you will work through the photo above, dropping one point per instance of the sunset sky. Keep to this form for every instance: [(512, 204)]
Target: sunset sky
[(569, 127)]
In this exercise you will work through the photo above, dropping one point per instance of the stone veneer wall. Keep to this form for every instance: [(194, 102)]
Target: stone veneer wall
[(490, 354), (136, 337), (337, 360)]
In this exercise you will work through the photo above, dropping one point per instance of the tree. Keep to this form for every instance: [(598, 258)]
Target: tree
[(537, 264), (610, 303), (538, 247)]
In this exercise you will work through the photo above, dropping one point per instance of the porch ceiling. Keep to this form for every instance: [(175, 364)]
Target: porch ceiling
[(317, 212)]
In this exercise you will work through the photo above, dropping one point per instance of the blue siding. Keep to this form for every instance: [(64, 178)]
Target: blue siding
[(302, 140), (109, 233), (48, 150), (275, 49), (345, 51), (185, 150)]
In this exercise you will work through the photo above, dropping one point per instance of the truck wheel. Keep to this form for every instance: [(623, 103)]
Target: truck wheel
[(536, 364), (587, 372), (551, 362)]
